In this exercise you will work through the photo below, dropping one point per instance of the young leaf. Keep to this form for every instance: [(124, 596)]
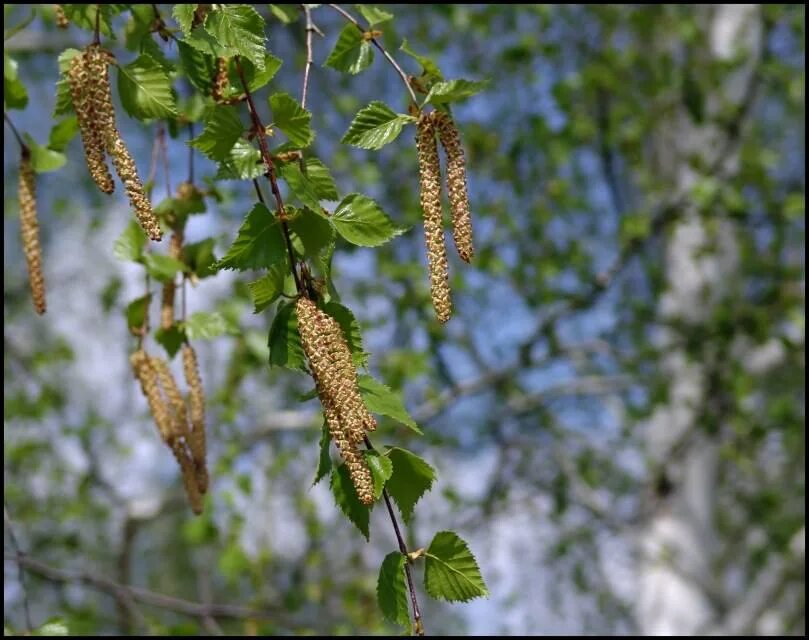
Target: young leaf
[(324, 461), (64, 103), (374, 15), (429, 67), (257, 78), (266, 289), (351, 330), (345, 495), (222, 129), (375, 126), (352, 53), (361, 221), (412, 478), (292, 119), (145, 89), (299, 184), (171, 339), (321, 179), (84, 16), (454, 90), (380, 399), (243, 163), (184, 15), (285, 340), (162, 268), (15, 96), (130, 244), (238, 27), (381, 470), (451, 572), (311, 233), (62, 133), (199, 67), (136, 312), (286, 13), (199, 257), (43, 159), (391, 593), (205, 326), (259, 243)]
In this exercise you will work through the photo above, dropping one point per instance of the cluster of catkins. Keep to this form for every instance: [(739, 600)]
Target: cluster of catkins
[(430, 124), (90, 91), (336, 379), (30, 231), (181, 423)]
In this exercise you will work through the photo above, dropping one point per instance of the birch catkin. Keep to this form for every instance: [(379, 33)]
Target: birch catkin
[(456, 184), (170, 288), (30, 232), (146, 374), (430, 196), (61, 19), (196, 397)]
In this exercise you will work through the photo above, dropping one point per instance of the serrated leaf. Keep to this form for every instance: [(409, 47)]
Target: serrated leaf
[(324, 460), (345, 495), (199, 257), (145, 89), (374, 15), (199, 67), (184, 15), (292, 119), (130, 244), (299, 184), (351, 330), (204, 325), (412, 478), (286, 349), (286, 13), (62, 133), (170, 339), (222, 129), (311, 233), (43, 159), (136, 311), (429, 67), (240, 28), (243, 163), (161, 267), (454, 90), (451, 572), (351, 54), (361, 221), (391, 590), (205, 43), (375, 126), (259, 243), (321, 179), (382, 400), (381, 470), (15, 96), (84, 16), (268, 288), (258, 78)]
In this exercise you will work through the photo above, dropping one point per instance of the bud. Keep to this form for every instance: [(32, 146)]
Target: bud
[(196, 397), (456, 184), (61, 19), (430, 195), (30, 232)]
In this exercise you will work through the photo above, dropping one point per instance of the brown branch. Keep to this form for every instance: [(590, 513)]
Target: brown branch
[(310, 29), (97, 30), (19, 557), (382, 50), (23, 147)]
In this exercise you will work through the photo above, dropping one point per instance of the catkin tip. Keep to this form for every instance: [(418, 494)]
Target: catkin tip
[(29, 227)]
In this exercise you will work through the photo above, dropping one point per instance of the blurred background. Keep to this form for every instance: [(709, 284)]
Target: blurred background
[(616, 410)]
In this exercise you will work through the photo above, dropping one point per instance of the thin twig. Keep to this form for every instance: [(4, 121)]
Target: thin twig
[(23, 146), (20, 557), (382, 50), (97, 30), (190, 154), (310, 29), (164, 151)]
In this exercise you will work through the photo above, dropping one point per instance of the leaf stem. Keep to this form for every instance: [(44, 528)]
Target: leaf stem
[(310, 29), (23, 147)]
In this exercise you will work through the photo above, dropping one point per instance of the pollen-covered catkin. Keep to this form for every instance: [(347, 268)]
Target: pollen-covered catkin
[(174, 397), (146, 374), (196, 398), (456, 185), (128, 172), (360, 474), (430, 196), (188, 470), (30, 232), (61, 19), (170, 288), (80, 81)]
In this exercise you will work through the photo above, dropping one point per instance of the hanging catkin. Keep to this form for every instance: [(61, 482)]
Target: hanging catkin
[(196, 398), (169, 287), (61, 19), (430, 195), (30, 232), (146, 374), (456, 184)]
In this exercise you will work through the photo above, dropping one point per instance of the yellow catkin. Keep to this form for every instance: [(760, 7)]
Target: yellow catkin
[(170, 288), (360, 474), (30, 232), (188, 470), (147, 376), (196, 401), (430, 196), (61, 19), (456, 185), (128, 172), (79, 81), (175, 398)]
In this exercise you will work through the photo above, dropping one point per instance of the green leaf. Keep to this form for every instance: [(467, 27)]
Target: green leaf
[(324, 461), (259, 243), (145, 89), (361, 221), (299, 185), (204, 325), (451, 572), (184, 15), (286, 13), (222, 129), (136, 311), (64, 103), (130, 244), (199, 257), (381, 470), (345, 495), (15, 96), (375, 126), (382, 400), (429, 67), (43, 159), (243, 163), (292, 119), (391, 590), (199, 67), (258, 78), (171, 339), (161, 267), (240, 28), (321, 179), (374, 15), (351, 330), (268, 288), (286, 349), (84, 16), (351, 53), (62, 133), (412, 478), (54, 627), (311, 233), (205, 43), (454, 90)]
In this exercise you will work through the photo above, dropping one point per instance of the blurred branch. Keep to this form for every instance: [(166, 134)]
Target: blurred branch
[(19, 557)]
